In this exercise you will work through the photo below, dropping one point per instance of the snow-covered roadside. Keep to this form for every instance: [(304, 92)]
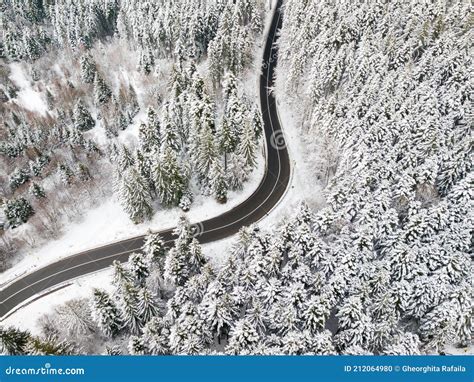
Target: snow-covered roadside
[(26, 318), (108, 223), (452, 350), (303, 186)]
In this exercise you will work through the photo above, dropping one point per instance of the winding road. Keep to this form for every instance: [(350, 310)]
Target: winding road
[(267, 195)]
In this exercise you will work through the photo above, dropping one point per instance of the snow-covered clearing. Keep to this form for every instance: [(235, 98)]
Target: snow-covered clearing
[(27, 97)]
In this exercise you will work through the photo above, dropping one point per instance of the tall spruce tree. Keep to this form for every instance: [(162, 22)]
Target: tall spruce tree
[(105, 313), (88, 69), (135, 196), (82, 118), (102, 92), (170, 179)]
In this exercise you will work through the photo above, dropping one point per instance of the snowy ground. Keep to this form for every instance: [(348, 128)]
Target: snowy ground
[(302, 187), (451, 350), (27, 97)]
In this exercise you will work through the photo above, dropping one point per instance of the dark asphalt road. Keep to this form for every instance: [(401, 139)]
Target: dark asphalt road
[(269, 192)]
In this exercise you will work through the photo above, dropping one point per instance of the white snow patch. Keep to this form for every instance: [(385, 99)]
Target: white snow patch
[(303, 186), (452, 350), (26, 318), (27, 97), (218, 252), (129, 136)]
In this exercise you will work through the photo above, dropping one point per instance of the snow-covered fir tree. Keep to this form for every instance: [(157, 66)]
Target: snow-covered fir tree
[(105, 313), (83, 120), (135, 196), (88, 69), (102, 92)]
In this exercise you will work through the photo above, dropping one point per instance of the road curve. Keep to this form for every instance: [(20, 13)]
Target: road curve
[(267, 195)]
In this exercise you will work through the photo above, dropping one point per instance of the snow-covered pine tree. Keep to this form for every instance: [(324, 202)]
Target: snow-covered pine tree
[(136, 346), (219, 310), (143, 165), (154, 248), (150, 140), (243, 338), (18, 177), (31, 47), (12, 47), (170, 179), (125, 159), (169, 133), (113, 350), (13, 341), (315, 313), (206, 153), (227, 140), (195, 258), (138, 267), (235, 113), (18, 211), (185, 259), (50, 100), (247, 147), (134, 194), (218, 182), (175, 270), (121, 275), (238, 172), (105, 313), (149, 133), (355, 327), (37, 191), (38, 165), (129, 300), (148, 306), (133, 107), (257, 121), (146, 61), (66, 175), (102, 92), (75, 317), (50, 345), (88, 69), (83, 120), (155, 335)]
